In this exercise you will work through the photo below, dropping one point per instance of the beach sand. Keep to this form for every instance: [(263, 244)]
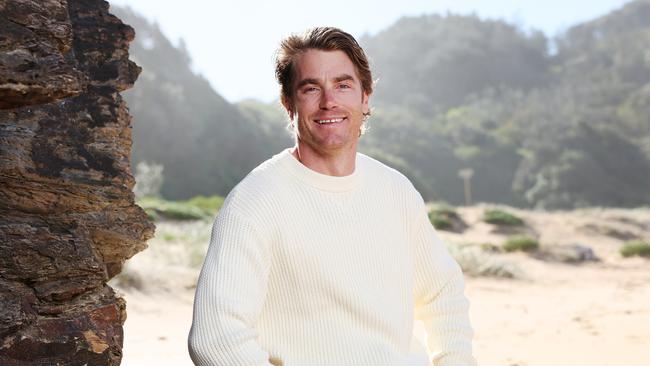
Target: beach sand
[(592, 313)]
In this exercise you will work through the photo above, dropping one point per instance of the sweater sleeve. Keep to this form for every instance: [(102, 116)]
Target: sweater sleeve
[(229, 295), (439, 300)]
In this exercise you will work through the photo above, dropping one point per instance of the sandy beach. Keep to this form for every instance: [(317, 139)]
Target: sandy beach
[(594, 313)]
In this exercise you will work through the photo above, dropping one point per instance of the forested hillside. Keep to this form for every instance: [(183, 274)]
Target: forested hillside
[(539, 129), (205, 144), (543, 122)]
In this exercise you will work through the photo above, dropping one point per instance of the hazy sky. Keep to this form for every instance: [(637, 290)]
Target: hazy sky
[(232, 42)]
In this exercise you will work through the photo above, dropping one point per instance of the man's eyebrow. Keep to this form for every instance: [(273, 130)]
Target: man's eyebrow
[(338, 79), (304, 82), (343, 77)]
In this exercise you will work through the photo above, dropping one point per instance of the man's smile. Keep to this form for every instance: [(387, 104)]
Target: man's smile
[(330, 120)]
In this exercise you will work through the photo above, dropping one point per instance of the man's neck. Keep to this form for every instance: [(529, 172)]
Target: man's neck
[(340, 163)]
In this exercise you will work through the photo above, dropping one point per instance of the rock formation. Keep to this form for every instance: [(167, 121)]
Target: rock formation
[(68, 220)]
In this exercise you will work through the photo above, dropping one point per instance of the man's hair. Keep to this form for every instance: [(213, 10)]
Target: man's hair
[(320, 38)]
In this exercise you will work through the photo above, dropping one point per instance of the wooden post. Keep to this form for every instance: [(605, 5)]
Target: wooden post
[(466, 174)]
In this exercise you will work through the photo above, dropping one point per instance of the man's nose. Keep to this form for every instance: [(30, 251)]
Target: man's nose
[(328, 99)]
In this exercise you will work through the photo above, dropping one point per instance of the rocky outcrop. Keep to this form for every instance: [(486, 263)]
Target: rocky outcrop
[(68, 220)]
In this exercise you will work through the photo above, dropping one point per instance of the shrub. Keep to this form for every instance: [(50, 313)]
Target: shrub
[(635, 247), (150, 202), (160, 208), (500, 217), (439, 221), (520, 243), (210, 205), (182, 211), (168, 237), (476, 262), (442, 216), (489, 247), (152, 214)]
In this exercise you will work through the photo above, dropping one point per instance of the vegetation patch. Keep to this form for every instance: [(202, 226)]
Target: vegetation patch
[(445, 217), (168, 237), (491, 248), (635, 248), (520, 243), (441, 217), (210, 204), (196, 208), (502, 218), (475, 261)]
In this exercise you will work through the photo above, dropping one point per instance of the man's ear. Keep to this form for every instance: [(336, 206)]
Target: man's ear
[(364, 103), (287, 105)]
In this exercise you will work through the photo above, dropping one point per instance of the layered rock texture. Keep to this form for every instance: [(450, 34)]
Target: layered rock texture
[(68, 220)]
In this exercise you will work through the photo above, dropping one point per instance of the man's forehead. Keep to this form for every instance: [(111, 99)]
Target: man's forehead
[(324, 64)]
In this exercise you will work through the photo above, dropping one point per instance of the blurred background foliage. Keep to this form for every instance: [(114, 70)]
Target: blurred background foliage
[(552, 123)]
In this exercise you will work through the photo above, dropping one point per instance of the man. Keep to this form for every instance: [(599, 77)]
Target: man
[(322, 255)]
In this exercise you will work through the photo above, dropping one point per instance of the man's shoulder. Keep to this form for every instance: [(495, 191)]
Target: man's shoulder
[(381, 172), (261, 183), (266, 169), (391, 181)]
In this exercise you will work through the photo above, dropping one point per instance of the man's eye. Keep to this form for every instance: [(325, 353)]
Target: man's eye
[(344, 86), (310, 89)]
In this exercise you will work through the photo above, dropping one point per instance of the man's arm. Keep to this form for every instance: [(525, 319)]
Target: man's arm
[(229, 295), (439, 299)]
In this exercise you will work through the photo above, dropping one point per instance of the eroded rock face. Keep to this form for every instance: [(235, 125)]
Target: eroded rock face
[(67, 215)]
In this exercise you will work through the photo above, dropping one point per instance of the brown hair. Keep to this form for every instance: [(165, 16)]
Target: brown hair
[(320, 38)]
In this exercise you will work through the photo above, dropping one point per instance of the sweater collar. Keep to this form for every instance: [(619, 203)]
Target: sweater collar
[(318, 180)]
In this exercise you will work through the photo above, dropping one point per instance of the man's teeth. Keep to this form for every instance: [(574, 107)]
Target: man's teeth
[(335, 120)]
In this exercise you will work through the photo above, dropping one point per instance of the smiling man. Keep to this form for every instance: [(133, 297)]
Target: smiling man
[(330, 106), (323, 255)]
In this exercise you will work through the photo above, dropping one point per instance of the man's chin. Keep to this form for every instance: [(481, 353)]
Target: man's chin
[(332, 144)]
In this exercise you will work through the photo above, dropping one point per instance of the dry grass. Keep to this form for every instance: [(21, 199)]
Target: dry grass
[(476, 261), (173, 259)]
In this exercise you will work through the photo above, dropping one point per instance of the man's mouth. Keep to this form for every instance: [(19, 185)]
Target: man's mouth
[(330, 120)]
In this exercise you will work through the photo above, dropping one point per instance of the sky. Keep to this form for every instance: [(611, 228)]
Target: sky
[(232, 43)]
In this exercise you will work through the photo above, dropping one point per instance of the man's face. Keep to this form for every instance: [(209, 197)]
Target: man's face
[(328, 101)]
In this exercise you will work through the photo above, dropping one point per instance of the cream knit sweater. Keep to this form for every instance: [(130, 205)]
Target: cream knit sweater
[(306, 269)]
